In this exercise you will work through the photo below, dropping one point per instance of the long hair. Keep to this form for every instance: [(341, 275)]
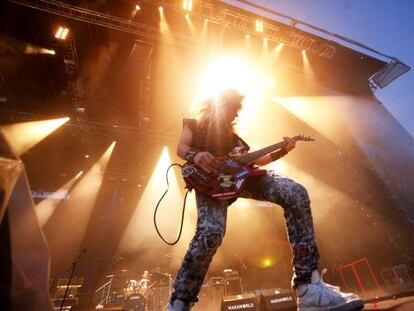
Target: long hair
[(212, 110)]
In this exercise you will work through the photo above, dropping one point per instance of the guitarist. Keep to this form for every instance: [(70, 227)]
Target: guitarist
[(210, 136)]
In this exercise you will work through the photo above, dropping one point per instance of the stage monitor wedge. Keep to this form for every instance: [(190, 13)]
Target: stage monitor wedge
[(244, 302), (274, 300)]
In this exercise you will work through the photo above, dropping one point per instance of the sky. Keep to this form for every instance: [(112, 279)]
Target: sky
[(385, 25)]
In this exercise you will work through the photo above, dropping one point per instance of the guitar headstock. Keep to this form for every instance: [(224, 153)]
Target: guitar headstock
[(303, 138)]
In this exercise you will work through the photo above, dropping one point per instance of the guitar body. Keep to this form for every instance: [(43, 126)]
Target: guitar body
[(227, 184)]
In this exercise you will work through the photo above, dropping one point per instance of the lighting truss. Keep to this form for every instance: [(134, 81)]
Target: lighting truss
[(216, 13), (144, 32)]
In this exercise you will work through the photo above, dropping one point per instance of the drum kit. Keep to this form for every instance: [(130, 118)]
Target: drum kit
[(150, 293)]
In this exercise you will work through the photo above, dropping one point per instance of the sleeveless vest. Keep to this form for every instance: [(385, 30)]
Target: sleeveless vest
[(218, 141)]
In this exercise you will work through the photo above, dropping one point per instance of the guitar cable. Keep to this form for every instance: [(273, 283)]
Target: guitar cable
[(182, 214)]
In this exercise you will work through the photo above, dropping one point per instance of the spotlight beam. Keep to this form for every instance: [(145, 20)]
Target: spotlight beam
[(65, 230), (24, 136), (45, 208)]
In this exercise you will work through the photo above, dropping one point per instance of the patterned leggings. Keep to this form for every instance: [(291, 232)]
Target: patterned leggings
[(211, 226)]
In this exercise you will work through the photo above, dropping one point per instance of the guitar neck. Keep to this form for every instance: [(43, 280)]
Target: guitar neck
[(259, 153)]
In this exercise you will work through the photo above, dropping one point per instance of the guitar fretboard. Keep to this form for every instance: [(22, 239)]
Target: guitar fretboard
[(259, 153)]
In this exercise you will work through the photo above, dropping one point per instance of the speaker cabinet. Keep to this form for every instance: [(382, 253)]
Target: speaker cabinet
[(245, 302), (273, 300)]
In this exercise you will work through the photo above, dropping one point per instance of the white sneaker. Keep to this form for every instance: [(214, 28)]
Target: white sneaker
[(320, 296), (179, 305)]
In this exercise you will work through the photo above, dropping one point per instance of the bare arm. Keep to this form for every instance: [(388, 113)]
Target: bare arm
[(203, 159)]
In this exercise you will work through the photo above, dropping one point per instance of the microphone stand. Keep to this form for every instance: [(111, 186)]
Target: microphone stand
[(73, 266)]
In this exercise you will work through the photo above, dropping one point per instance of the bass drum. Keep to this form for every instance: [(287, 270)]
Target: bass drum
[(135, 302)]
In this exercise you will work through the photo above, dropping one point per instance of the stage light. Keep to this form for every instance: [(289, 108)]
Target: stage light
[(31, 49), (62, 33), (187, 5), (24, 136), (137, 7), (259, 26), (161, 9), (187, 16)]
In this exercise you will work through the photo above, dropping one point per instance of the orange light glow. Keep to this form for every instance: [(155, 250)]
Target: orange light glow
[(24, 136)]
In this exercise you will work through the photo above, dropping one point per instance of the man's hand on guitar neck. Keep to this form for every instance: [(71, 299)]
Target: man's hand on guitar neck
[(206, 161)]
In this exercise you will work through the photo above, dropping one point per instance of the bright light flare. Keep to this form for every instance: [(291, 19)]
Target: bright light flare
[(137, 7), (62, 33), (267, 262), (229, 71), (24, 136), (46, 207), (187, 5)]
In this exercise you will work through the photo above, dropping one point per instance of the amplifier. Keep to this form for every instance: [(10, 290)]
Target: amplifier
[(273, 300), (245, 302)]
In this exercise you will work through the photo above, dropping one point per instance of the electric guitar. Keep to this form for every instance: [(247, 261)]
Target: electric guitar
[(232, 172)]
